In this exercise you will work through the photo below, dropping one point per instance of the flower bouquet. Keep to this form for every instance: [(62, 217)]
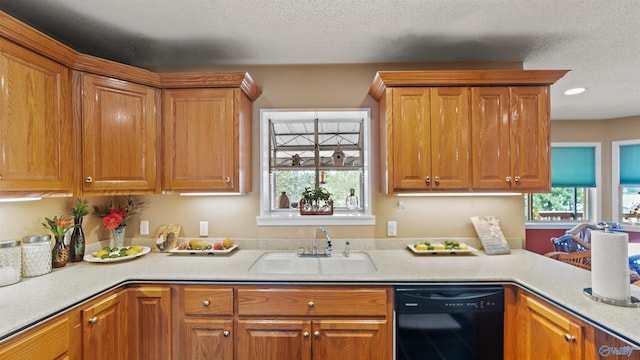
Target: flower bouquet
[(58, 227), (114, 218)]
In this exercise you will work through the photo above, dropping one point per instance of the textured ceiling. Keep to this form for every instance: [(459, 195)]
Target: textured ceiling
[(599, 41)]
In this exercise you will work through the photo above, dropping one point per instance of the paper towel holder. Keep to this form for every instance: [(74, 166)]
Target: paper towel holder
[(632, 302)]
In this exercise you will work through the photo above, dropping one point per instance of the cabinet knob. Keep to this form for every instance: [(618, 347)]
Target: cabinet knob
[(437, 178), (93, 320), (311, 304), (206, 303), (227, 179), (225, 333), (428, 179), (89, 179), (508, 179), (305, 334), (569, 338), (316, 333), (517, 178)]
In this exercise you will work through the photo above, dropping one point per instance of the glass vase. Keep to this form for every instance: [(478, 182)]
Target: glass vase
[(118, 236), (59, 253), (77, 242)]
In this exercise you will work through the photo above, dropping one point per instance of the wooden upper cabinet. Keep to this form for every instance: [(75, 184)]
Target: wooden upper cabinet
[(465, 130), (428, 139), (120, 133), (35, 123), (510, 138), (207, 140)]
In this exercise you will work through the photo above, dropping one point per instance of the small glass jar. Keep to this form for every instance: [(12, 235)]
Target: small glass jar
[(10, 262), (36, 255)]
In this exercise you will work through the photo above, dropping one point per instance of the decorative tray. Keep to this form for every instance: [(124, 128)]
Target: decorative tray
[(469, 249), (92, 256), (203, 252)]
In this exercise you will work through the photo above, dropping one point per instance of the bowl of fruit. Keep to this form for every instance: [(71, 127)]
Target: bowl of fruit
[(446, 246), (196, 247), (115, 254)]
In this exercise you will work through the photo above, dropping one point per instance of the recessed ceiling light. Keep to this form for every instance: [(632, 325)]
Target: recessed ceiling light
[(575, 91)]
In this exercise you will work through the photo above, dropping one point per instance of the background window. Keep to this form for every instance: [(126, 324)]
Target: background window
[(626, 180), (574, 193)]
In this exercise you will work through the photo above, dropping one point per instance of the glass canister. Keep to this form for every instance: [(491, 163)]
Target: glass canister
[(10, 262), (36, 255)]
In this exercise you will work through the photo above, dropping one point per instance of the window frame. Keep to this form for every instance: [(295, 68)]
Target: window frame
[(594, 196), (276, 217), (616, 196)]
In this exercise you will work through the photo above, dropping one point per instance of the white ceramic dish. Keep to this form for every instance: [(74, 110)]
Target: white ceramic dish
[(92, 257), (203, 252), (469, 249)]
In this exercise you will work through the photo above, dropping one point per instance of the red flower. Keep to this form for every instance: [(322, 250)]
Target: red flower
[(112, 220), (120, 212)]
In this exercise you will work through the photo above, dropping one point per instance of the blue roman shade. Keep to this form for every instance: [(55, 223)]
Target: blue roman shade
[(573, 166), (630, 164)]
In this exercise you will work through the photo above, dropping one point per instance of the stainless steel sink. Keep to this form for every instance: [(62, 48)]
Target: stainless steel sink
[(291, 263)]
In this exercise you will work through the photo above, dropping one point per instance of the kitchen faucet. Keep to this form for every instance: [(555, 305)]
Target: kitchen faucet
[(314, 246)]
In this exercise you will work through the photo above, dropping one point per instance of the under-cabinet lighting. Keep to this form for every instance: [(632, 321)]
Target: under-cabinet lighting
[(6, 200), (456, 194), (575, 91), (212, 194)]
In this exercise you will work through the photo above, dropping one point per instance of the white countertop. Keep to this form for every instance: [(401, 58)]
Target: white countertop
[(35, 299)]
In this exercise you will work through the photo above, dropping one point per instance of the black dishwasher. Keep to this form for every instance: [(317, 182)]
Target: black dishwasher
[(449, 322)]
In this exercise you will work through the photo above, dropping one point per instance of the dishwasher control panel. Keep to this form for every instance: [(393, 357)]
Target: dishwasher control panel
[(448, 299)]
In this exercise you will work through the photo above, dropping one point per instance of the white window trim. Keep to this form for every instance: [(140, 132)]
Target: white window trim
[(272, 218), (615, 177), (595, 195)]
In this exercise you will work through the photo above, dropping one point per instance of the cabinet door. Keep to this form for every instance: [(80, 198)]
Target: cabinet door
[(274, 339), (410, 139), (547, 333), (35, 123), (105, 328), (207, 339), (149, 316), (352, 339), (530, 138), (51, 340), (119, 136), (490, 138), (201, 135), (449, 138)]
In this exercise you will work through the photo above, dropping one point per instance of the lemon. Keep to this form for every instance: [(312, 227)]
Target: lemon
[(422, 247), (136, 249), (439, 247), (131, 251), (101, 253)]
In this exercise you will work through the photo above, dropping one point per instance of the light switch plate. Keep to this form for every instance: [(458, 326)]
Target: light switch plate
[(392, 228), (144, 227), (204, 228)]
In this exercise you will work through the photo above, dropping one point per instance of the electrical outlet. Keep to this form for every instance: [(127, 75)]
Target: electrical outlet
[(144, 227), (392, 228), (204, 228)]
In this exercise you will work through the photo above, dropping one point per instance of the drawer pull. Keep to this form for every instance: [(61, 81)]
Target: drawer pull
[(305, 334), (569, 338), (311, 304), (316, 334), (225, 333), (206, 303), (93, 320)]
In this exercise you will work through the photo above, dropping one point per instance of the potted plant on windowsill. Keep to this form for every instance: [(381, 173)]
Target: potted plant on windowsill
[(316, 202)]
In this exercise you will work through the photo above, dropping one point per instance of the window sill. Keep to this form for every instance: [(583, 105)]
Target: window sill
[(552, 225), (295, 219)]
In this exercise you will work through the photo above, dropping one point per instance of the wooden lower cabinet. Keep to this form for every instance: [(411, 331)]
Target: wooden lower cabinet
[(537, 329), (52, 340), (149, 316), (204, 318), (314, 323), (104, 328)]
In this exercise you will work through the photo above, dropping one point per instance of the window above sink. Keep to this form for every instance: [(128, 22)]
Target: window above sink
[(307, 149)]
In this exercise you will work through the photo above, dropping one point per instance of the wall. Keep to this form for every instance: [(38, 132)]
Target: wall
[(304, 86)]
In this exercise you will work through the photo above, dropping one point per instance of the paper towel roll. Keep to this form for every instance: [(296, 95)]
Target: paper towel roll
[(610, 265)]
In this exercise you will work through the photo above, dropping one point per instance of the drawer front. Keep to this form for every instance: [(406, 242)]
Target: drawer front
[(207, 302), (50, 341), (313, 301)]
